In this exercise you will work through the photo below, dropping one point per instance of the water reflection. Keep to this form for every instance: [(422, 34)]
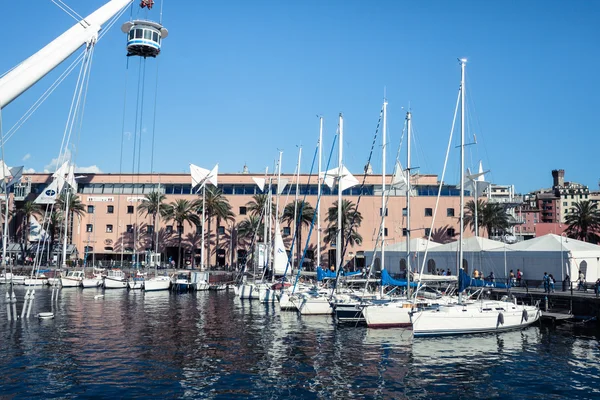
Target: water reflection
[(211, 344)]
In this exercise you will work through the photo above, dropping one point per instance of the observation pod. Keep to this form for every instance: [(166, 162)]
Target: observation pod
[(144, 38)]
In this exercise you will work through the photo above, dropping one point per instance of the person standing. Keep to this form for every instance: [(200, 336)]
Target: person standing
[(511, 277), (519, 277), (545, 280), (551, 283)]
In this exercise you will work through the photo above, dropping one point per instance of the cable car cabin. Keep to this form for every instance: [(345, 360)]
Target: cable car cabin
[(144, 38)]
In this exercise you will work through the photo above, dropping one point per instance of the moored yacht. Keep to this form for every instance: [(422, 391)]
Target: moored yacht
[(115, 279), (158, 282), (72, 279)]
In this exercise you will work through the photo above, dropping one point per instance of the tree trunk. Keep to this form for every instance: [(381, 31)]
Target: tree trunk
[(208, 243), (179, 256), (217, 237)]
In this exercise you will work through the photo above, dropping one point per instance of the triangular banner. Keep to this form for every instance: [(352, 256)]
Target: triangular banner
[(281, 184), (48, 195), (260, 182)]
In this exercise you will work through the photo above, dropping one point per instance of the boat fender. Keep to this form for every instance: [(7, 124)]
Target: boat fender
[(525, 317), (500, 319)]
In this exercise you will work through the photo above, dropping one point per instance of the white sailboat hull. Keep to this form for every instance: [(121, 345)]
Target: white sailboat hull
[(288, 302), (68, 282), (248, 292), (473, 318), (157, 283), (135, 284), (91, 282), (315, 306), (110, 283), (389, 315), (35, 281)]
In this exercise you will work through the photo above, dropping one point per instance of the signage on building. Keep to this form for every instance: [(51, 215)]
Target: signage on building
[(135, 199), (100, 199)]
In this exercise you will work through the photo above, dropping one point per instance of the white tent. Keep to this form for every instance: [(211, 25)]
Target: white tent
[(395, 255), (478, 253), (556, 255)]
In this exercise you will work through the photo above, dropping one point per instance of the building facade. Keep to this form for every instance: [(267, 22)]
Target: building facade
[(112, 229)]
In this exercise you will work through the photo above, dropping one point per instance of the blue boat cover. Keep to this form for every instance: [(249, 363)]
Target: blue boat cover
[(386, 279), (466, 281), (323, 273)]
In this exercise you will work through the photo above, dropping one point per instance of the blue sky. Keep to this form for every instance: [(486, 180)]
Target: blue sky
[(238, 80)]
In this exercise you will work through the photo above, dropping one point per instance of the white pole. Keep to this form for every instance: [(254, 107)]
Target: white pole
[(383, 205), (66, 235), (319, 193), (476, 211), (463, 63), (408, 188), (338, 250), (297, 228), (203, 218)]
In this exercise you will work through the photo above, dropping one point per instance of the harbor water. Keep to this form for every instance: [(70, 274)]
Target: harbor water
[(130, 344)]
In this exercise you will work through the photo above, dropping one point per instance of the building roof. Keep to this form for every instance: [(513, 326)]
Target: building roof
[(551, 242)]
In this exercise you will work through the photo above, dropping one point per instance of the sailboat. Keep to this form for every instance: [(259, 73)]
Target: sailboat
[(471, 316)]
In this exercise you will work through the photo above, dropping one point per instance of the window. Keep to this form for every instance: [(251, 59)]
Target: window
[(155, 36), (221, 230), (427, 231), (286, 231), (149, 229), (404, 211), (428, 212), (404, 232), (131, 34), (109, 228), (90, 209), (129, 209), (129, 228), (386, 212), (89, 228), (450, 212), (110, 209), (565, 203), (179, 228), (385, 231), (242, 210), (147, 34), (198, 229), (169, 228), (138, 33), (451, 232)]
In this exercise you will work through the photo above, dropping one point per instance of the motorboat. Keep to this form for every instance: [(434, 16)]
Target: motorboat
[(115, 279), (181, 281), (95, 280), (72, 279), (136, 282)]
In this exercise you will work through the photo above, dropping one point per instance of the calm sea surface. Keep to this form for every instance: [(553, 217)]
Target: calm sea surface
[(212, 345)]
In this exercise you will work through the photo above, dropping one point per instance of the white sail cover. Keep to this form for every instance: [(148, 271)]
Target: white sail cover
[(399, 178), (346, 179), (476, 182), (281, 258), (260, 182), (49, 195), (16, 174), (4, 170), (202, 175)]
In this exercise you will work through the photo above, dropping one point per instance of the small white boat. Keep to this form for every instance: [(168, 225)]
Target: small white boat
[(200, 280), (95, 280), (136, 281), (115, 279), (46, 315), (315, 303), (72, 279), (160, 282), (36, 281)]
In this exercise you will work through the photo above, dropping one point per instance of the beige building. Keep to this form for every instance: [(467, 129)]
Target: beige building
[(111, 224)]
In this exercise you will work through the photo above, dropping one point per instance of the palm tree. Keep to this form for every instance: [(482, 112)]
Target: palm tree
[(27, 210), (248, 228), (181, 211), (153, 204), (217, 206), (351, 220), (54, 221), (304, 217), (256, 206), (491, 216), (76, 207), (584, 222)]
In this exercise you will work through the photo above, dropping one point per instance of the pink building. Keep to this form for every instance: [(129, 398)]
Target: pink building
[(111, 223)]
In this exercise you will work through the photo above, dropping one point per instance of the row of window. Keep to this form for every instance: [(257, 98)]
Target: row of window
[(246, 189), (149, 229), (428, 212), (144, 34), (109, 209)]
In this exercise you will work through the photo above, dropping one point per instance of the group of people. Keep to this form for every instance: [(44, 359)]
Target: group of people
[(443, 272), (549, 282)]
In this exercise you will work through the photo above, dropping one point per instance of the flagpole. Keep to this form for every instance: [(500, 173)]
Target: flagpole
[(203, 217), (5, 230), (319, 194)]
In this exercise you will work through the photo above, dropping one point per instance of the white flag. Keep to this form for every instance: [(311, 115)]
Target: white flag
[(49, 195), (260, 182), (281, 184)]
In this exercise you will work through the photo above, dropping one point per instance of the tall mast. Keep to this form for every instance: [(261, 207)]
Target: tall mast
[(66, 232), (202, 260), (383, 205), (463, 63), (297, 228), (319, 193), (272, 246), (408, 188), (31, 70), (338, 251)]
